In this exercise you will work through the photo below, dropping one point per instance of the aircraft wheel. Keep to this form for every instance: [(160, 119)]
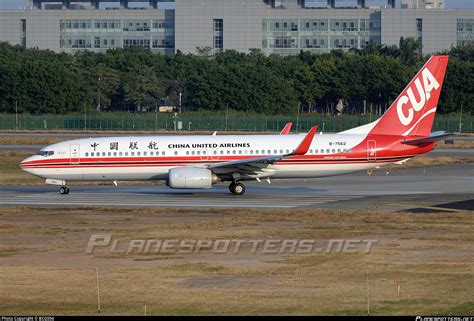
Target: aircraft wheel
[(231, 187), (238, 189), (63, 190)]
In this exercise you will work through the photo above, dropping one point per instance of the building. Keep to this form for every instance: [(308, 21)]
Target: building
[(77, 25), (282, 27), (422, 4)]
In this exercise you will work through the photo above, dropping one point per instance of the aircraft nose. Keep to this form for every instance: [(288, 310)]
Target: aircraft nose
[(26, 163)]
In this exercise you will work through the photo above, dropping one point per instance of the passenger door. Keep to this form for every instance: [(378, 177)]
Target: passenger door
[(371, 150), (74, 154)]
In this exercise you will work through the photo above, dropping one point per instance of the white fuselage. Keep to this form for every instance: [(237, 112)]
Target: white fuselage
[(151, 157)]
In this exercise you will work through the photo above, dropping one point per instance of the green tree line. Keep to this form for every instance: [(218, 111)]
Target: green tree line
[(355, 82)]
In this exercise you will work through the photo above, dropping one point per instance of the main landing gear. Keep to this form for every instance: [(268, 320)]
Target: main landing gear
[(63, 190), (237, 188)]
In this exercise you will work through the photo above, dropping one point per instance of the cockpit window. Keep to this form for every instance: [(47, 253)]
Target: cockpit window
[(46, 153)]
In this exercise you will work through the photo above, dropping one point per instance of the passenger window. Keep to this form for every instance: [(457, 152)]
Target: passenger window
[(192, 153), (281, 151), (327, 151), (175, 152), (333, 151), (109, 154), (228, 152), (152, 153), (251, 152), (92, 154), (240, 152), (234, 152), (287, 151), (120, 153), (187, 152), (115, 153), (256, 152), (132, 154), (138, 153), (198, 152), (145, 153), (163, 153), (126, 153), (222, 152), (339, 150), (269, 152), (87, 154)]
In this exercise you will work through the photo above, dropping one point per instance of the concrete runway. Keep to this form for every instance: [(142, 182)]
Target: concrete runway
[(439, 188)]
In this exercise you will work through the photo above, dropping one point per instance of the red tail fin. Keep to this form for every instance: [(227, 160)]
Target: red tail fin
[(413, 112)]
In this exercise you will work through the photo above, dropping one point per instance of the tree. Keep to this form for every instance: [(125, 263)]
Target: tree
[(410, 51), (140, 89), (134, 79), (106, 83)]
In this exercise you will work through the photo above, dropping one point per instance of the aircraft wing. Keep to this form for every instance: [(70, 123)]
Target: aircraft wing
[(255, 167), (432, 138)]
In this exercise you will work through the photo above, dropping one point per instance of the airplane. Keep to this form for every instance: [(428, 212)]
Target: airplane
[(200, 161)]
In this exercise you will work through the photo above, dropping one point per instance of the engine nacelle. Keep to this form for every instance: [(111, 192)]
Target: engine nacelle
[(191, 177)]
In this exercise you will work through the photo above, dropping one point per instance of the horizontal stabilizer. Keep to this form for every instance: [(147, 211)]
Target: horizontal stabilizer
[(432, 138)]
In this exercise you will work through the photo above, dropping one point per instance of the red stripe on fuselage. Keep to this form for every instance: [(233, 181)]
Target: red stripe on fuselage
[(307, 161)]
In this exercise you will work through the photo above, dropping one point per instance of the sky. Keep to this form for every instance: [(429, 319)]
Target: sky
[(464, 4)]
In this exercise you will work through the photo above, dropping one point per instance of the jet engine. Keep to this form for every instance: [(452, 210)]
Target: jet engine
[(191, 177)]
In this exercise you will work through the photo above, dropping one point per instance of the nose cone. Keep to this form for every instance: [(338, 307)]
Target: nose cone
[(27, 164)]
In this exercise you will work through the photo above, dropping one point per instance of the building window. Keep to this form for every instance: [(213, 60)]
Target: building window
[(465, 34), (23, 32), (419, 32), (218, 34)]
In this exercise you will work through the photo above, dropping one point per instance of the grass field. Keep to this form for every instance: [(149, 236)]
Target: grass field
[(44, 268)]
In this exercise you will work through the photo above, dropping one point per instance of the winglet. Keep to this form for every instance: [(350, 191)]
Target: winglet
[(286, 129), (303, 147)]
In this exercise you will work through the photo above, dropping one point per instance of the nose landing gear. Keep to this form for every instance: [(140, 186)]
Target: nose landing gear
[(63, 190), (237, 188)]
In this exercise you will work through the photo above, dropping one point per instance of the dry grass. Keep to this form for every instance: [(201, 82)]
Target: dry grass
[(432, 254), (461, 144), (10, 172), (19, 140), (427, 161), (32, 140)]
